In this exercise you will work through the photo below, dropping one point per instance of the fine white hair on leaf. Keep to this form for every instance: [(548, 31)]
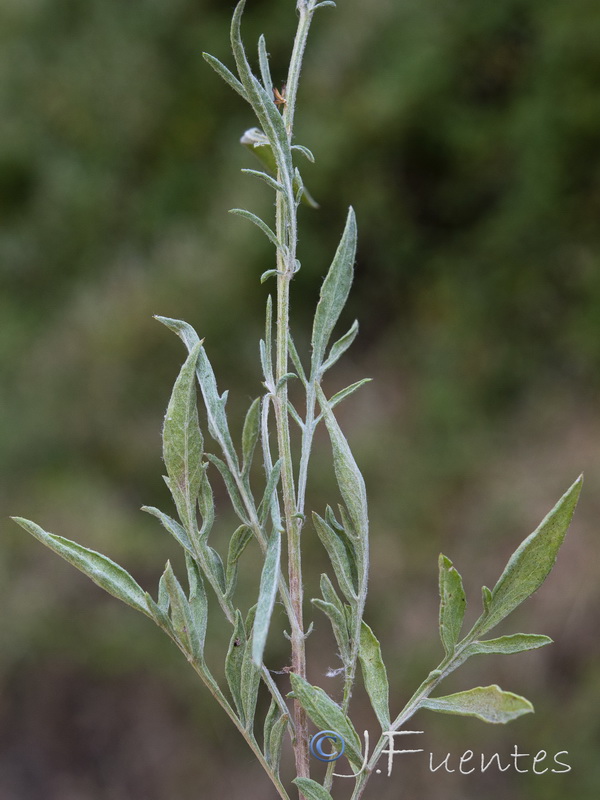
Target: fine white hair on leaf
[(333, 673)]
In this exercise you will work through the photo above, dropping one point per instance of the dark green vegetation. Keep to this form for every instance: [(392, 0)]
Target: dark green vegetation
[(467, 139)]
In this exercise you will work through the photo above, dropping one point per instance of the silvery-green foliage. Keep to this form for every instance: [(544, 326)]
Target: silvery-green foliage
[(271, 504)]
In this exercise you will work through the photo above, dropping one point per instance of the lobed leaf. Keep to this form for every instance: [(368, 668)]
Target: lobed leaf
[(532, 561), (104, 572), (452, 604), (488, 703), (374, 675)]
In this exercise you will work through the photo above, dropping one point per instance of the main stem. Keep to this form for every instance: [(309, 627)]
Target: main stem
[(286, 265)]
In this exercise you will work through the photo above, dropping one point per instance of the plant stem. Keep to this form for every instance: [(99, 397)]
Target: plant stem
[(286, 230)]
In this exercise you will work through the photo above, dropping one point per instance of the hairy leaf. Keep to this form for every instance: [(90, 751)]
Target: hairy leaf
[(188, 632), (338, 555), (374, 675), (241, 212), (237, 545), (349, 477), (334, 292), (517, 643), (250, 434), (532, 561), (226, 74), (488, 703), (266, 597), (173, 527), (198, 602), (182, 442), (339, 348), (104, 572), (215, 409), (327, 715), (233, 664), (452, 604), (311, 789)]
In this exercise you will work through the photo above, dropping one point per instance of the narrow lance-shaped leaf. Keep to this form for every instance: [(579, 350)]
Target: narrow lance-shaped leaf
[(452, 604), (274, 730), (375, 675), (327, 715), (339, 348), (237, 545), (250, 434), (349, 477), (338, 555), (172, 526), (532, 561), (181, 616), (334, 292), (217, 419), (311, 789), (517, 643), (104, 572), (250, 682), (198, 602), (488, 703), (233, 663), (183, 443), (258, 144), (266, 597), (226, 74)]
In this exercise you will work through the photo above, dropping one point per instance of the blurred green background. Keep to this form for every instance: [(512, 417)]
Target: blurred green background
[(467, 136)]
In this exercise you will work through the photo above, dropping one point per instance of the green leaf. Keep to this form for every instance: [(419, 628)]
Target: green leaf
[(187, 629), (452, 604), (338, 555), (249, 684), (182, 442), (226, 74), (173, 527), (266, 597), (308, 154), (104, 572), (311, 789), (215, 408), (274, 738), (349, 477), (233, 663), (327, 715), (237, 545), (277, 187), (241, 212), (337, 619), (532, 561), (198, 603), (517, 643), (375, 675), (250, 434), (232, 490), (269, 495), (334, 292), (339, 348), (263, 59), (488, 703), (344, 393)]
